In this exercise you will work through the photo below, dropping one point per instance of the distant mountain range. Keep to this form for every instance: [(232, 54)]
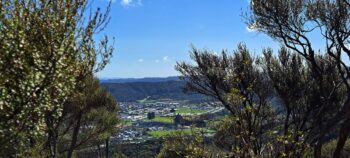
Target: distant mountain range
[(129, 90), (146, 79)]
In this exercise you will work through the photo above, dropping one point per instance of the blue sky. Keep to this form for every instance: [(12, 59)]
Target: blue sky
[(151, 35)]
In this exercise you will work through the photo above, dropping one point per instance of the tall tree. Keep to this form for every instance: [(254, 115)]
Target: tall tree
[(292, 23), (47, 46), (306, 102), (241, 87), (89, 118), (279, 106)]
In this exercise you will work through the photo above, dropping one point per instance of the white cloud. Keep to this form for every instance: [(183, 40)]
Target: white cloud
[(125, 2), (166, 58), (157, 61), (140, 60), (131, 3)]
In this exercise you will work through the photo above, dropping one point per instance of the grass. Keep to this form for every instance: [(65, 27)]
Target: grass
[(127, 122), (163, 133), (189, 111), (158, 118)]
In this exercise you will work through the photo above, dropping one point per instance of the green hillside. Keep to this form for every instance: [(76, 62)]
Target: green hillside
[(128, 92)]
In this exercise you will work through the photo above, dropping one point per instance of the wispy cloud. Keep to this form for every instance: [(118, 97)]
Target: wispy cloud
[(157, 61), (131, 3), (165, 58), (140, 60), (125, 2)]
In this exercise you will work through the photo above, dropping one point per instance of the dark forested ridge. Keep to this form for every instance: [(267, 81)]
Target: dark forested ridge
[(133, 91), (145, 79)]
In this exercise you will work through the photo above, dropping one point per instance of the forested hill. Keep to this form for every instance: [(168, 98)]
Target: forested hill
[(146, 79), (133, 91)]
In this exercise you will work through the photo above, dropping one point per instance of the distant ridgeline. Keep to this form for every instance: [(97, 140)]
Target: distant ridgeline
[(130, 90)]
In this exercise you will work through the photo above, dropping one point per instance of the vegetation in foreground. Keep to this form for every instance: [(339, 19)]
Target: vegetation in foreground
[(287, 104), (293, 103), (50, 103)]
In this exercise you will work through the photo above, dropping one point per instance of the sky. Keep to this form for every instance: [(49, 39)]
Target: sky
[(152, 35)]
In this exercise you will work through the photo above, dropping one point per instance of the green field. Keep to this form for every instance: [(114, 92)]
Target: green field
[(158, 118), (189, 111), (127, 122), (163, 133)]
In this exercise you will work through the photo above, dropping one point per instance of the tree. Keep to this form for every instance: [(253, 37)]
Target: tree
[(89, 118), (151, 115), (242, 89), (172, 110), (188, 145), (224, 137), (291, 23), (178, 120), (50, 46), (278, 106), (306, 102)]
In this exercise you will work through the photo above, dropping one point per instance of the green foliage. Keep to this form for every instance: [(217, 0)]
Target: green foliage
[(294, 23), (89, 118), (241, 87), (328, 149), (46, 48), (255, 89), (120, 155), (146, 149), (162, 119), (191, 145), (311, 99), (167, 133), (127, 123), (224, 137), (151, 115)]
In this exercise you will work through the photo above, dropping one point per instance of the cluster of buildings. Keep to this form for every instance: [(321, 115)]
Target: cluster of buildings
[(136, 113)]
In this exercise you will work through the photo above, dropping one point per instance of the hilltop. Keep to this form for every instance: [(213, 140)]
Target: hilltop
[(132, 89)]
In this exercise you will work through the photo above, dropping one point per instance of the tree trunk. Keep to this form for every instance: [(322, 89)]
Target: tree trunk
[(343, 136), (286, 130), (107, 148), (52, 135), (100, 154), (74, 136), (52, 143), (318, 150)]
